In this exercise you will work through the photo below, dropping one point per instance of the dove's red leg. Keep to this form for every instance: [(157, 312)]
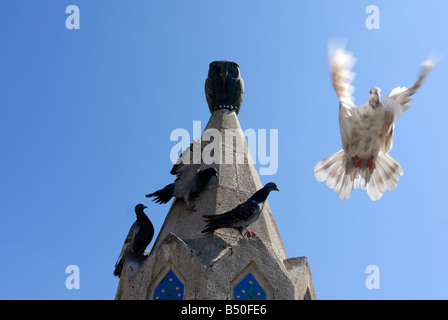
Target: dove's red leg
[(357, 162), (370, 164), (191, 208)]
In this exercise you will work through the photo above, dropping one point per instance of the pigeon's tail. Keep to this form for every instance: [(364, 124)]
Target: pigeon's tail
[(163, 195), (332, 169), (119, 267), (212, 223), (209, 229), (384, 175)]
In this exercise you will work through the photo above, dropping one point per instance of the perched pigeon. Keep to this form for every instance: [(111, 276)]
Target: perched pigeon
[(366, 133), (139, 237), (191, 178), (243, 215)]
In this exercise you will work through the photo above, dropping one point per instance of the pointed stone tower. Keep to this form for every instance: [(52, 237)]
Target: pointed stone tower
[(187, 264)]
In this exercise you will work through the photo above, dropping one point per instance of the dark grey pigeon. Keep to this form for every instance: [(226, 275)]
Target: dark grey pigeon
[(139, 237), (191, 177), (243, 215)]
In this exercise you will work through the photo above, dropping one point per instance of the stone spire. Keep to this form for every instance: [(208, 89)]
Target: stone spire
[(187, 264)]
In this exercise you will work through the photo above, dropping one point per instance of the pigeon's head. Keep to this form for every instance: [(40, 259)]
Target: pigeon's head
[(209, 173), (271, 186), (374, 97), (139, 208)]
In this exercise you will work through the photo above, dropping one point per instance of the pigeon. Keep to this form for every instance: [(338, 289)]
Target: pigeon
[(139, 237), (191, 177), (366, 133), (243, 215)]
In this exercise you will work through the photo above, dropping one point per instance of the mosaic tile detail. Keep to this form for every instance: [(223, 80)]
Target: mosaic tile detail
[(248, 289), (170, 288)]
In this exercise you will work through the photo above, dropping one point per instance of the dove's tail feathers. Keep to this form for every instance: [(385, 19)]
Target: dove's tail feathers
[(328, 167), (332, 169), (385, 176), (163, 195)]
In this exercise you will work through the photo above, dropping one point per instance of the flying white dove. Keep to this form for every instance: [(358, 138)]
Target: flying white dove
[(366, 133)]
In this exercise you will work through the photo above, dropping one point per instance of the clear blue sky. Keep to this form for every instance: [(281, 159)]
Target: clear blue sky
[(86, 116)]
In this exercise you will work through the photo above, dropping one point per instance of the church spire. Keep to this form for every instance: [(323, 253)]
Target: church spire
[(221, 264)]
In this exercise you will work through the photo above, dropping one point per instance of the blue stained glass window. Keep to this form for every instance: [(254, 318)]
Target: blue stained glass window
[(248, 289), (170, 288)]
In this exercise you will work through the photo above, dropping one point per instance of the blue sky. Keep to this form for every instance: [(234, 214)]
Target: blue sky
[(86, 116)]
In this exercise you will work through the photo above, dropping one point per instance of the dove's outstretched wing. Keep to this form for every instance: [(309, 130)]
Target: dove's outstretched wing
[(398, 102), (190, 179), (186, 168), (190, 159), (341, 62)]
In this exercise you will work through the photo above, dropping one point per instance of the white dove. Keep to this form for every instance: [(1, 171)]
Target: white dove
[(366, 133)]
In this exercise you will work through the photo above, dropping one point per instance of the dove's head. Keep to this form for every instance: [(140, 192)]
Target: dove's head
[(271, 186), (374, 97)]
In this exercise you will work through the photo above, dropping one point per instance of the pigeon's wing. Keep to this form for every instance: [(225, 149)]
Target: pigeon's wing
[(398, 102), (235, 217), (185, 182), (341, 62), (143, 238), (129, 240), (388, 131), (190, 159), (186, 168), (163, 195)]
